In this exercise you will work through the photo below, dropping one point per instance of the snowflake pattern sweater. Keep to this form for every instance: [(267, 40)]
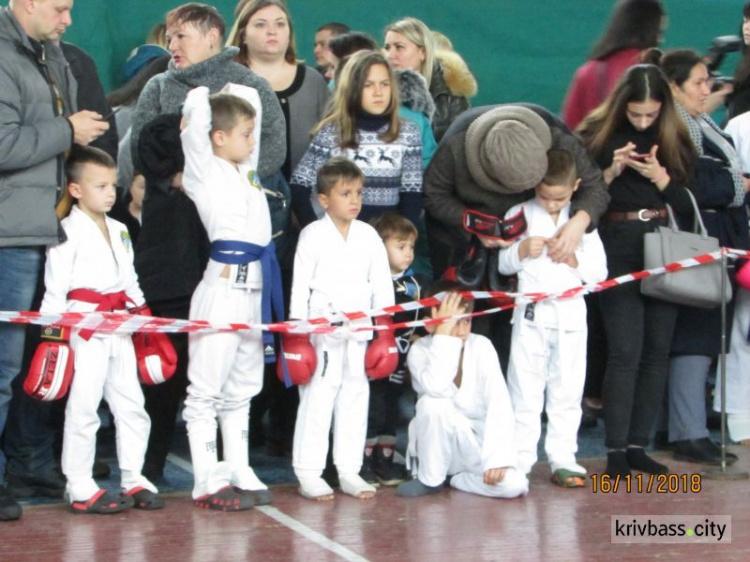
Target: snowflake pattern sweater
[(393, 171)]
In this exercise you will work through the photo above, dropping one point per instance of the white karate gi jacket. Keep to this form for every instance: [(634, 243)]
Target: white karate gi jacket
[(230, 201), (542, 275), (86, 261), (334, 275)]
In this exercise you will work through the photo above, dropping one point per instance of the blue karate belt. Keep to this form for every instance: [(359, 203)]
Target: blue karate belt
[(234, 252)]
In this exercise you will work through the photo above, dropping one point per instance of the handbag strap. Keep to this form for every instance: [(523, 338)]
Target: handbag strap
[(698, 226)]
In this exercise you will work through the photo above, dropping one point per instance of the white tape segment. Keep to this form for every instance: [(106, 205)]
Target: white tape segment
[(123, 323)]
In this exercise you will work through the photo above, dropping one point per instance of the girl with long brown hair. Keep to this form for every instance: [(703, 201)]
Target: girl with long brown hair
[(363, 125), (643, 147)]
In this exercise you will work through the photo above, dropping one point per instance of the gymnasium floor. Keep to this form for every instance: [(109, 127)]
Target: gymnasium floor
[(551, 523)]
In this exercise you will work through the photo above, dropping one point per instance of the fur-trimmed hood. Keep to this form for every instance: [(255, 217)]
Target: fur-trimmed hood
[(415, 94), (456, 74)]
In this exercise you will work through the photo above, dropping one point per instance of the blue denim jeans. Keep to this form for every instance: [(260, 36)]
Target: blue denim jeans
[(19, 273)]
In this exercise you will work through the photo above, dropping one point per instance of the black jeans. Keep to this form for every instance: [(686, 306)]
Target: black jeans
[(383, 414), (639, 335)]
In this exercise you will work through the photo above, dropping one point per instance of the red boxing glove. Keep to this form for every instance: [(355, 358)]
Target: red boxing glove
[(154, 352), (743, 276), (381, 358), (299, 357), (51, 370)]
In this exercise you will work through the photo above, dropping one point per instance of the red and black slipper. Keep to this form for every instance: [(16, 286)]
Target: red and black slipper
[(102, 503), (144, 498), (260, 497), (226, 499)]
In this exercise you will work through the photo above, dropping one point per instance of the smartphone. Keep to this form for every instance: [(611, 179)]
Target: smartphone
[(112, 113)]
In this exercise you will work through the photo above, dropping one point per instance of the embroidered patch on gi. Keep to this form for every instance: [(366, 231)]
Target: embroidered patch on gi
[(252, 177), (126, 241)]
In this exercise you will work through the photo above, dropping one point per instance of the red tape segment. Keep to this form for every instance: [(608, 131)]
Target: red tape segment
[(123, 323)]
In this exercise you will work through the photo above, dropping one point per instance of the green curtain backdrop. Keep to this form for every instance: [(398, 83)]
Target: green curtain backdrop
[(519, 50)]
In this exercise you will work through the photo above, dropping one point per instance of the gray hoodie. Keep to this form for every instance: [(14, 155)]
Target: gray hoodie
[(33, 137)]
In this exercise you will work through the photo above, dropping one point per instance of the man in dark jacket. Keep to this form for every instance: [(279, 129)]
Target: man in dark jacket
[(91, 94), (490, 159), (38, 124)]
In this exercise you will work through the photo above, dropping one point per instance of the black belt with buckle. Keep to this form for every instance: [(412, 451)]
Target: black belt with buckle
[(644, 215)]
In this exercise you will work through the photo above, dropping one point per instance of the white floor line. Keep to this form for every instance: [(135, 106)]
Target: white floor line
[(287, 521), (310, 534)]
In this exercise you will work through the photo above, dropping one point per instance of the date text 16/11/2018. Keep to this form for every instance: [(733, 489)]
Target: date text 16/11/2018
[(648, 483)]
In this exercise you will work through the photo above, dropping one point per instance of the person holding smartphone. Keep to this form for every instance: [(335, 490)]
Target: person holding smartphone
[(638, 139)]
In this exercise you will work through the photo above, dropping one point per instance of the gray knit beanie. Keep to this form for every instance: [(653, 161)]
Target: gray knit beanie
[(506, 149)]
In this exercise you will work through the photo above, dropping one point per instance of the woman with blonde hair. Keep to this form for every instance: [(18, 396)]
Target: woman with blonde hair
[(409, 44), (363, 125)]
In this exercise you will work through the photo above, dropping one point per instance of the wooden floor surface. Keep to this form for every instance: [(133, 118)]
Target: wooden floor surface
[(549, 524)]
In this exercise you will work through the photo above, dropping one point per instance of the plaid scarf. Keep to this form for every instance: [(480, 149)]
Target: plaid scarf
[(702, 126)]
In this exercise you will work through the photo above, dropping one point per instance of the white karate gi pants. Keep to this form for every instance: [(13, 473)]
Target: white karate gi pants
[(225, 371), (738, 379), (552, 361), (444, 442), (339, 388), (105, 367)]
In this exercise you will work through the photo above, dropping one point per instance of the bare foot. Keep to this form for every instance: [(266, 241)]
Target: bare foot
[(366, 495)]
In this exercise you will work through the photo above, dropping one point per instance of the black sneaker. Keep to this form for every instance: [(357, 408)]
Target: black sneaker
[(701, 451), (10, 510), (388, 472), (48, 484), (367, 473)]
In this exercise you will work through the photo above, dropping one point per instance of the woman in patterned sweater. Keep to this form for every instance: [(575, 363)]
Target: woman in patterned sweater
[(363, 126)]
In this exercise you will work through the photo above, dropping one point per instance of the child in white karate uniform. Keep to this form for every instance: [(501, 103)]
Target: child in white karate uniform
[(93, 270), (463, 427), (340, 266), (226, 369), (548, 344)]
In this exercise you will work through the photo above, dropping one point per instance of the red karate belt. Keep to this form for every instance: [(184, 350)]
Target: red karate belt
[(106, 302)]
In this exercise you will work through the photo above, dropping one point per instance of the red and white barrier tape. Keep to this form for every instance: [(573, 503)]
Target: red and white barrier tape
[(123, 323)]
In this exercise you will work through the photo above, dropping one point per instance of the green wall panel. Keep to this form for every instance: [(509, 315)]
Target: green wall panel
[(519, 50)]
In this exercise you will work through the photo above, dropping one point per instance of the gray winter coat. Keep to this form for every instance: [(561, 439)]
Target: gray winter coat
[(33, 139)]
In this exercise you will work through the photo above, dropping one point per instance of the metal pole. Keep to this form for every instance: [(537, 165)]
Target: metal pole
[(723, 362)]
